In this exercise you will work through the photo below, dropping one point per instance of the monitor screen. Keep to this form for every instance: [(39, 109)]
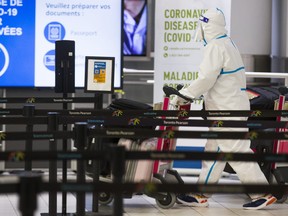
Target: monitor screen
[(136, 29), (29, 29)]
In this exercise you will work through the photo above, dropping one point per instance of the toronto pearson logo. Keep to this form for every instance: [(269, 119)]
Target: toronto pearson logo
[(117, 113), (16, 156), (4, 56), (256, 113), (168, 134), (31, 100), (182, 113), (251, 135), (217, 124), (2, 135), (134, 121)]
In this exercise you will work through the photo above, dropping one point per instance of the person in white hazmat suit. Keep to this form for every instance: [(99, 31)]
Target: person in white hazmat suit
[(222, 82)]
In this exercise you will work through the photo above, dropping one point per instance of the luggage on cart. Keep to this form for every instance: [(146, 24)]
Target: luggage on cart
[(127, 104), (104, 143), (149, 170), (280, 170), (262, 98), (271, 98), (138, 171)]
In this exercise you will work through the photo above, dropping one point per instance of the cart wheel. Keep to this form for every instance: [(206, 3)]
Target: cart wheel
[(105, 198), (168, 202)]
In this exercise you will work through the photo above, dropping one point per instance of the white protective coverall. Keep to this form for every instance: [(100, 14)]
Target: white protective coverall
[(222, 81)]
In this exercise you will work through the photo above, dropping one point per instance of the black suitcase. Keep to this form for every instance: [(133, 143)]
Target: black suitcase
[(262, 98), (126, 104)]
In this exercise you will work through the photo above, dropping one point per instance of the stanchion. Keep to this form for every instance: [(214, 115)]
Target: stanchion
[(28, 111), (80, 143), (118, 167), (96, 210), (98, 105), (28, 192), (64, 162), (96, 176), (53, 123)]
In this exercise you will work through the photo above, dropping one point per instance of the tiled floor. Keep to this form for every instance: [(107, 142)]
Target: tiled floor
[(140, 205)]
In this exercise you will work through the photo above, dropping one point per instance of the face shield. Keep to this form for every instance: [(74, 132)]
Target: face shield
[(199, 33)]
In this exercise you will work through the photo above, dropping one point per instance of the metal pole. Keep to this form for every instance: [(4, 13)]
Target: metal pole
[(28, 111), (28, 191), (53, 126), (64, 162), (98, 105), (118, 167), (81, 130)]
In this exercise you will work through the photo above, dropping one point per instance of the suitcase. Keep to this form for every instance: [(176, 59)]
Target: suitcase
[(104, 143), (138, 171), (144, 168), (127, 104), (262, 98)]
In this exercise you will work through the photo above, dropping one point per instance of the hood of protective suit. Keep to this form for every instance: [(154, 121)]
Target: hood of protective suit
[(211, 25)]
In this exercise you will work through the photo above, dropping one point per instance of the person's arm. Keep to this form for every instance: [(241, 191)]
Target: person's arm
[(209, 70)]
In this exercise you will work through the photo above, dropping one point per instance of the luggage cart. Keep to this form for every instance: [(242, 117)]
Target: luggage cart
[(280, 170), (155, 171)]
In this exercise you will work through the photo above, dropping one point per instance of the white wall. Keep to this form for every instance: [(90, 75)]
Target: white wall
[(251, 26)]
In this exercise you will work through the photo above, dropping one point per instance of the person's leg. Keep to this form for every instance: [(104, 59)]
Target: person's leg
[(210, 173), (248, 172)]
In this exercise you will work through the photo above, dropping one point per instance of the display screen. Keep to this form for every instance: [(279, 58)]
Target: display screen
[(29, 29), (136, 40)]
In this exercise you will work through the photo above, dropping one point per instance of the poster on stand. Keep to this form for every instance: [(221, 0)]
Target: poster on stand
[(99, 74)]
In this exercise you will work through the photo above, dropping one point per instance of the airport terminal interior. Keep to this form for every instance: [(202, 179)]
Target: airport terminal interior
[(258, 27)]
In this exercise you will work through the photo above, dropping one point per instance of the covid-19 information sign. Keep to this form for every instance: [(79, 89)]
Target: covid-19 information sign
[(29, 29), (177, 55)]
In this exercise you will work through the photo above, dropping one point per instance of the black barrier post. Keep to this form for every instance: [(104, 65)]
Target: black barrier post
[(96, 175), (98, 102), (118, 163), (52, 126), (28, 111), (64, 162), (28, 191), (98, 105), (81, 130)]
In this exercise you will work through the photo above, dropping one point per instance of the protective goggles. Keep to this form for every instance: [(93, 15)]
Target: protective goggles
[(204, 19)]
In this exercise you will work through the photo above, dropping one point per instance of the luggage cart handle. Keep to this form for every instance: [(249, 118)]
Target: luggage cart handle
[(172, 91)]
